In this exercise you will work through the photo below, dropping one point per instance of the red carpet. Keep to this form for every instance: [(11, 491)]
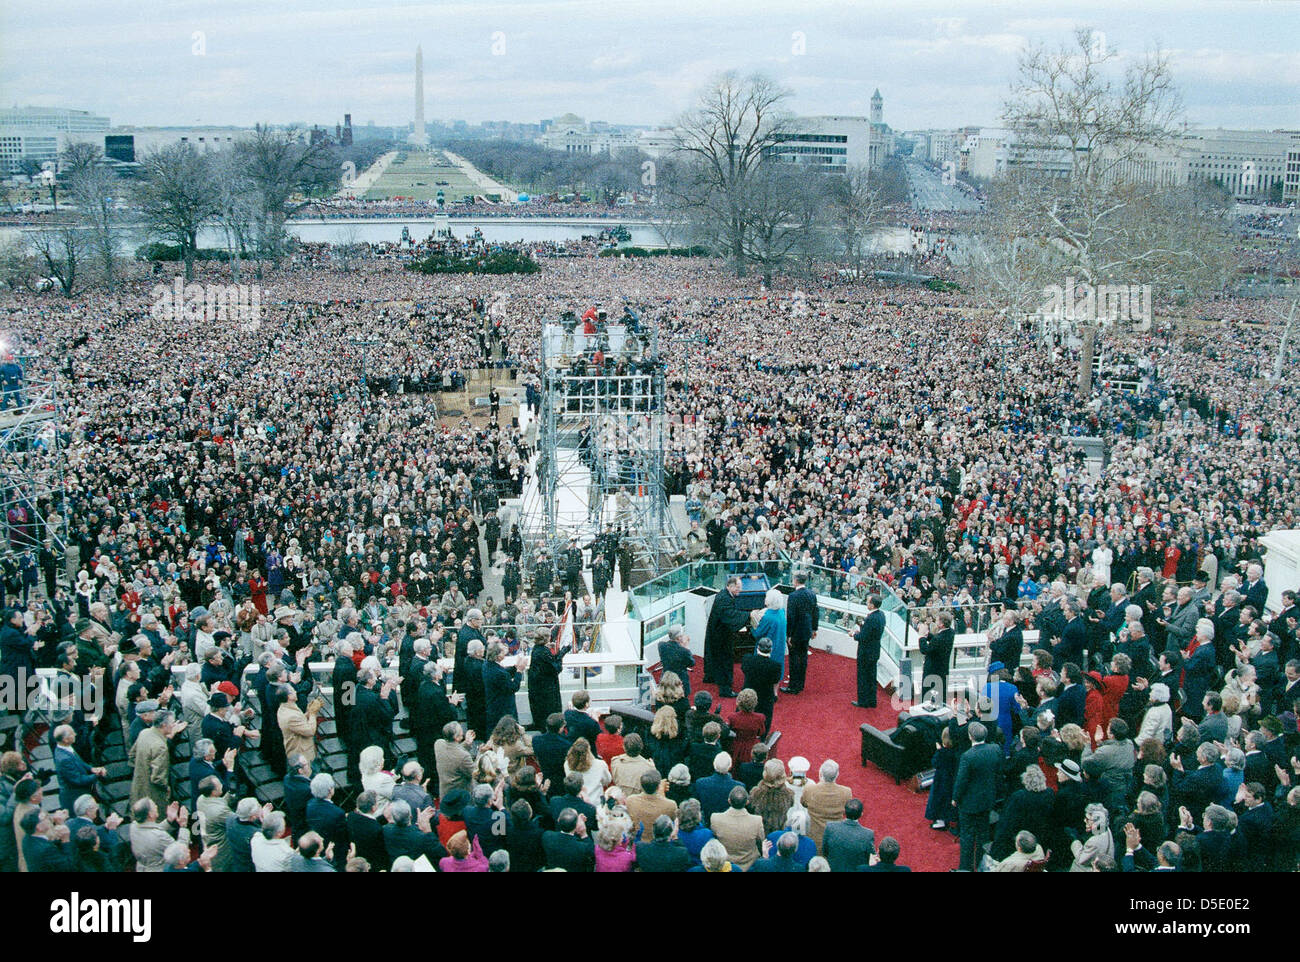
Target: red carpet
[(822, 723)]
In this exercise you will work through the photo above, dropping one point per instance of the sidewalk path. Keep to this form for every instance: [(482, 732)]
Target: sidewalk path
[(486, 183), (366, 179)]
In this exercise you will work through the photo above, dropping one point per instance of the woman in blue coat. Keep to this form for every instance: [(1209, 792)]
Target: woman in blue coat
[(500, 684), (770, 623)]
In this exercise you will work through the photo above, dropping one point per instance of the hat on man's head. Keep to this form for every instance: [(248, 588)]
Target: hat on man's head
[(1070, 769), (284, 611), (146, 706), (454, 802)]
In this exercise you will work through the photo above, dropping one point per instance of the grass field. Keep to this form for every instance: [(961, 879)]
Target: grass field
[(420, 175)]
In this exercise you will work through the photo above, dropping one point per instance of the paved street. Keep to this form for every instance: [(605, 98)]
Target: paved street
[(930, 193)]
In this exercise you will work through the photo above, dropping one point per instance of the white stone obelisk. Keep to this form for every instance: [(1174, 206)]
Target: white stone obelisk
[(418, 136)]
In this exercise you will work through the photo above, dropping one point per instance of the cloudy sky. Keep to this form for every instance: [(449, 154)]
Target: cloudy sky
[(237, 62)]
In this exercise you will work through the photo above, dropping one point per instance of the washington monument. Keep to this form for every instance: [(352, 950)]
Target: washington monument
[(418, 137)]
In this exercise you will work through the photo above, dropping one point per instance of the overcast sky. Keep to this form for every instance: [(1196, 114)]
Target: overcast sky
[(1237, 62)]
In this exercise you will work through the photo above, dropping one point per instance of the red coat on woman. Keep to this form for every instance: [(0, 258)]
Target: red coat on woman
[(748, 726), (257, 591), (1094, 710), (1114, 687), (1172, 554)]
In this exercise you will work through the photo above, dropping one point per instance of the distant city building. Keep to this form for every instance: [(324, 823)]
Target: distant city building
[(32, 136), (372, 132), (573, 134), (501, 130), (657, 142), (920, 140), (995, 152), (120, 147), (146, 139), (1291, 185), (1162, 166), (24, 151), (62, 120), (836, 143), (946, 145), (1249, 164)]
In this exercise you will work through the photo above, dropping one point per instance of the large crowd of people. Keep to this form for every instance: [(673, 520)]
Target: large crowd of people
[(246, 503), (1152, 730), (369, 209)]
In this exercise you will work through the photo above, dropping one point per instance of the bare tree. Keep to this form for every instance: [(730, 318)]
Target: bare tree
[(726, 137), (1277, 274), (95, 190), (285, 174), (236, 209), (178, 195), (1066, 102), (857, 211), (1006, 259), (62, 250), (1285, 339), (17, 264), (784, 208), (682, 197), (78, 156), (1076, 128)]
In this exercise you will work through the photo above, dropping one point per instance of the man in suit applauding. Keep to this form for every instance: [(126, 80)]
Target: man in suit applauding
[(801, 629), (1255, 590), (75, 776), (570, 847), (974, 793), (665, 853)]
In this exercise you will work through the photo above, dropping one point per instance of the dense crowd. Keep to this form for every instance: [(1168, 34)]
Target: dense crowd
[(356, 208), (247, 500), (1151, 730)]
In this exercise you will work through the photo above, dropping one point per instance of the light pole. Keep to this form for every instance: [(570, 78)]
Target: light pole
[(365, 386), (48, 179)]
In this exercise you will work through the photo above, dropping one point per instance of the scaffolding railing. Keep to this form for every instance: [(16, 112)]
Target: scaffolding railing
[(601, 437), (32, 493)]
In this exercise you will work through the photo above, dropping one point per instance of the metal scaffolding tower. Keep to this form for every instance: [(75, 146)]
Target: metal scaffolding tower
[(601, 434), (32, 501)]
